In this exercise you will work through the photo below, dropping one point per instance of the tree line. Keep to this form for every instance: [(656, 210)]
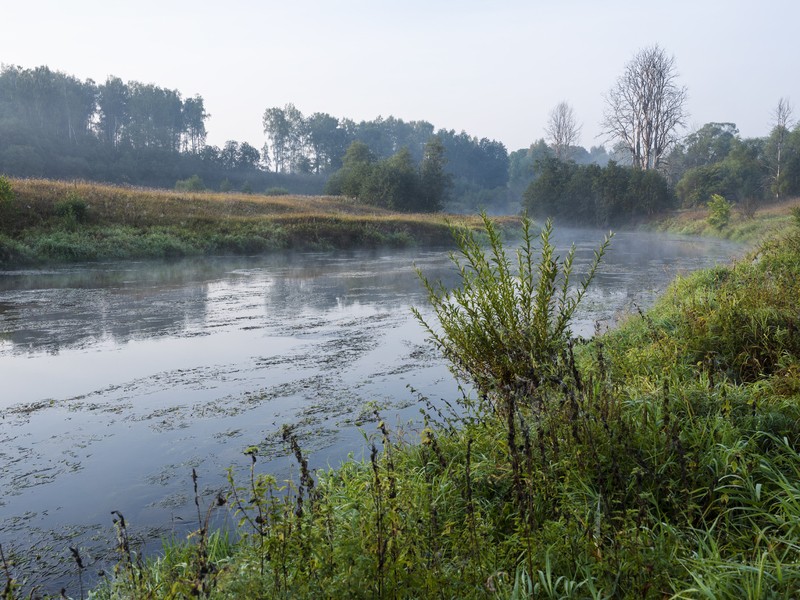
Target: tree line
[(55, 125), (712, 162), (477, 170), (748, 171), (650, 167)]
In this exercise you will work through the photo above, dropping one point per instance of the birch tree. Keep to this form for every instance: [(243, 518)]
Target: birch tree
[(781, 124)]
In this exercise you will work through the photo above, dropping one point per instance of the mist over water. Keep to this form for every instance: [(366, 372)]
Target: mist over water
[(119, 378)]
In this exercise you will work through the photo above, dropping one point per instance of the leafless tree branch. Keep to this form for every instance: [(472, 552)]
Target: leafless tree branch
[(646, 107), (563, 130)]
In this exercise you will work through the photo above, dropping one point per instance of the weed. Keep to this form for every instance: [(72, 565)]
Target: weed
[(507, 330)]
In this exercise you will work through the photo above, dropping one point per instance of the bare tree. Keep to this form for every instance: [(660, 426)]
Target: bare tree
[(562, 130), (781, 122), (646, 107)]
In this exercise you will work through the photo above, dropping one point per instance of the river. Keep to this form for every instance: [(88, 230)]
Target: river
[(119, 378)]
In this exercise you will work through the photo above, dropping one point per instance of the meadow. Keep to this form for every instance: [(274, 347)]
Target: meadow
[(46, 221)]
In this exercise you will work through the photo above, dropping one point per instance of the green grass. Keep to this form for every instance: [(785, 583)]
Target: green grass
[(660, 460), (768, 221)]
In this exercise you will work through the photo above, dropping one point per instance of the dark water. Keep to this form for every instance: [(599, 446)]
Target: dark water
[(119, 378)]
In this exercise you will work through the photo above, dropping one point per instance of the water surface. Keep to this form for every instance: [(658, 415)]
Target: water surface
[(120, 378)]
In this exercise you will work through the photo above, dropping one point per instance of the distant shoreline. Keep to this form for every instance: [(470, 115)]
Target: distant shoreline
[(50, 221)]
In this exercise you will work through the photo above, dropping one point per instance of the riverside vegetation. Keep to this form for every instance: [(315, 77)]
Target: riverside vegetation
[(723, 219), (52, 221), (658, 460)]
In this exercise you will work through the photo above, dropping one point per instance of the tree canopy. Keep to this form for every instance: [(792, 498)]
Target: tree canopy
[(396, 182)]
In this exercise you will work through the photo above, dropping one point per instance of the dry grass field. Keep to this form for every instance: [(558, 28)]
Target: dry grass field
[(57, 221)]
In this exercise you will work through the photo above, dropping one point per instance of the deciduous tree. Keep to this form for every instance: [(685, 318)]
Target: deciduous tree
[(563, 130), (781, 124), (435, 181), (646, 107)]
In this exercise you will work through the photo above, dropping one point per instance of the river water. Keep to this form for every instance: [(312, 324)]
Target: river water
[(119, 378)]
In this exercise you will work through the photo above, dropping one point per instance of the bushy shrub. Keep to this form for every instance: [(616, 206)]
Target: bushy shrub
[(276, 191), (192, 184), (6, 191), (719, 211), (7, 207), (396, 183), (507, 327), (591, 195), (73, 208)]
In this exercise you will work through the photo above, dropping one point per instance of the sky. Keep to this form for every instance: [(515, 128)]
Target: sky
[(494, 69)]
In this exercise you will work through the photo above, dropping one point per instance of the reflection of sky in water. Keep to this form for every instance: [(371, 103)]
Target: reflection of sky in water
[(119, 378)]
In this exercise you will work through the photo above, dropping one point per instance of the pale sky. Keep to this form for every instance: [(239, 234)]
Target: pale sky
[(491, 68)]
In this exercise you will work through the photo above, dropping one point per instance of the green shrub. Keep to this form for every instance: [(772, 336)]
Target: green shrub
[(507, 329), (13, 251), (276, 191), (719, 211), (192, 184), (796, 215), (6, 191), (73, 208), (8, 208)]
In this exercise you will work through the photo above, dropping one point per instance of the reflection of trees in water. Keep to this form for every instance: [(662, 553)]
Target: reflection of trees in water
[(78, 306), (55, 319), (64, 308), (326, 285)]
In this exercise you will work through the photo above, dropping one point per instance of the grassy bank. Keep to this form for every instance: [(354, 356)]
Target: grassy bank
[(661, 460), (767, 221), (51, 221), (658, 461)]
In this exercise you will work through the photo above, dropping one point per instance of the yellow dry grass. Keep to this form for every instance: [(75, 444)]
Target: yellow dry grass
[(136, 206)]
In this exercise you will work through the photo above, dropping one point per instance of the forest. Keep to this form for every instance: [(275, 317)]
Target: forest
[(56, 126)]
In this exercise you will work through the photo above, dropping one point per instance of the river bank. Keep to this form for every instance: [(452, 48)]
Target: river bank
[(157, 367), (769, 220), (660, 459), (45, 221)]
